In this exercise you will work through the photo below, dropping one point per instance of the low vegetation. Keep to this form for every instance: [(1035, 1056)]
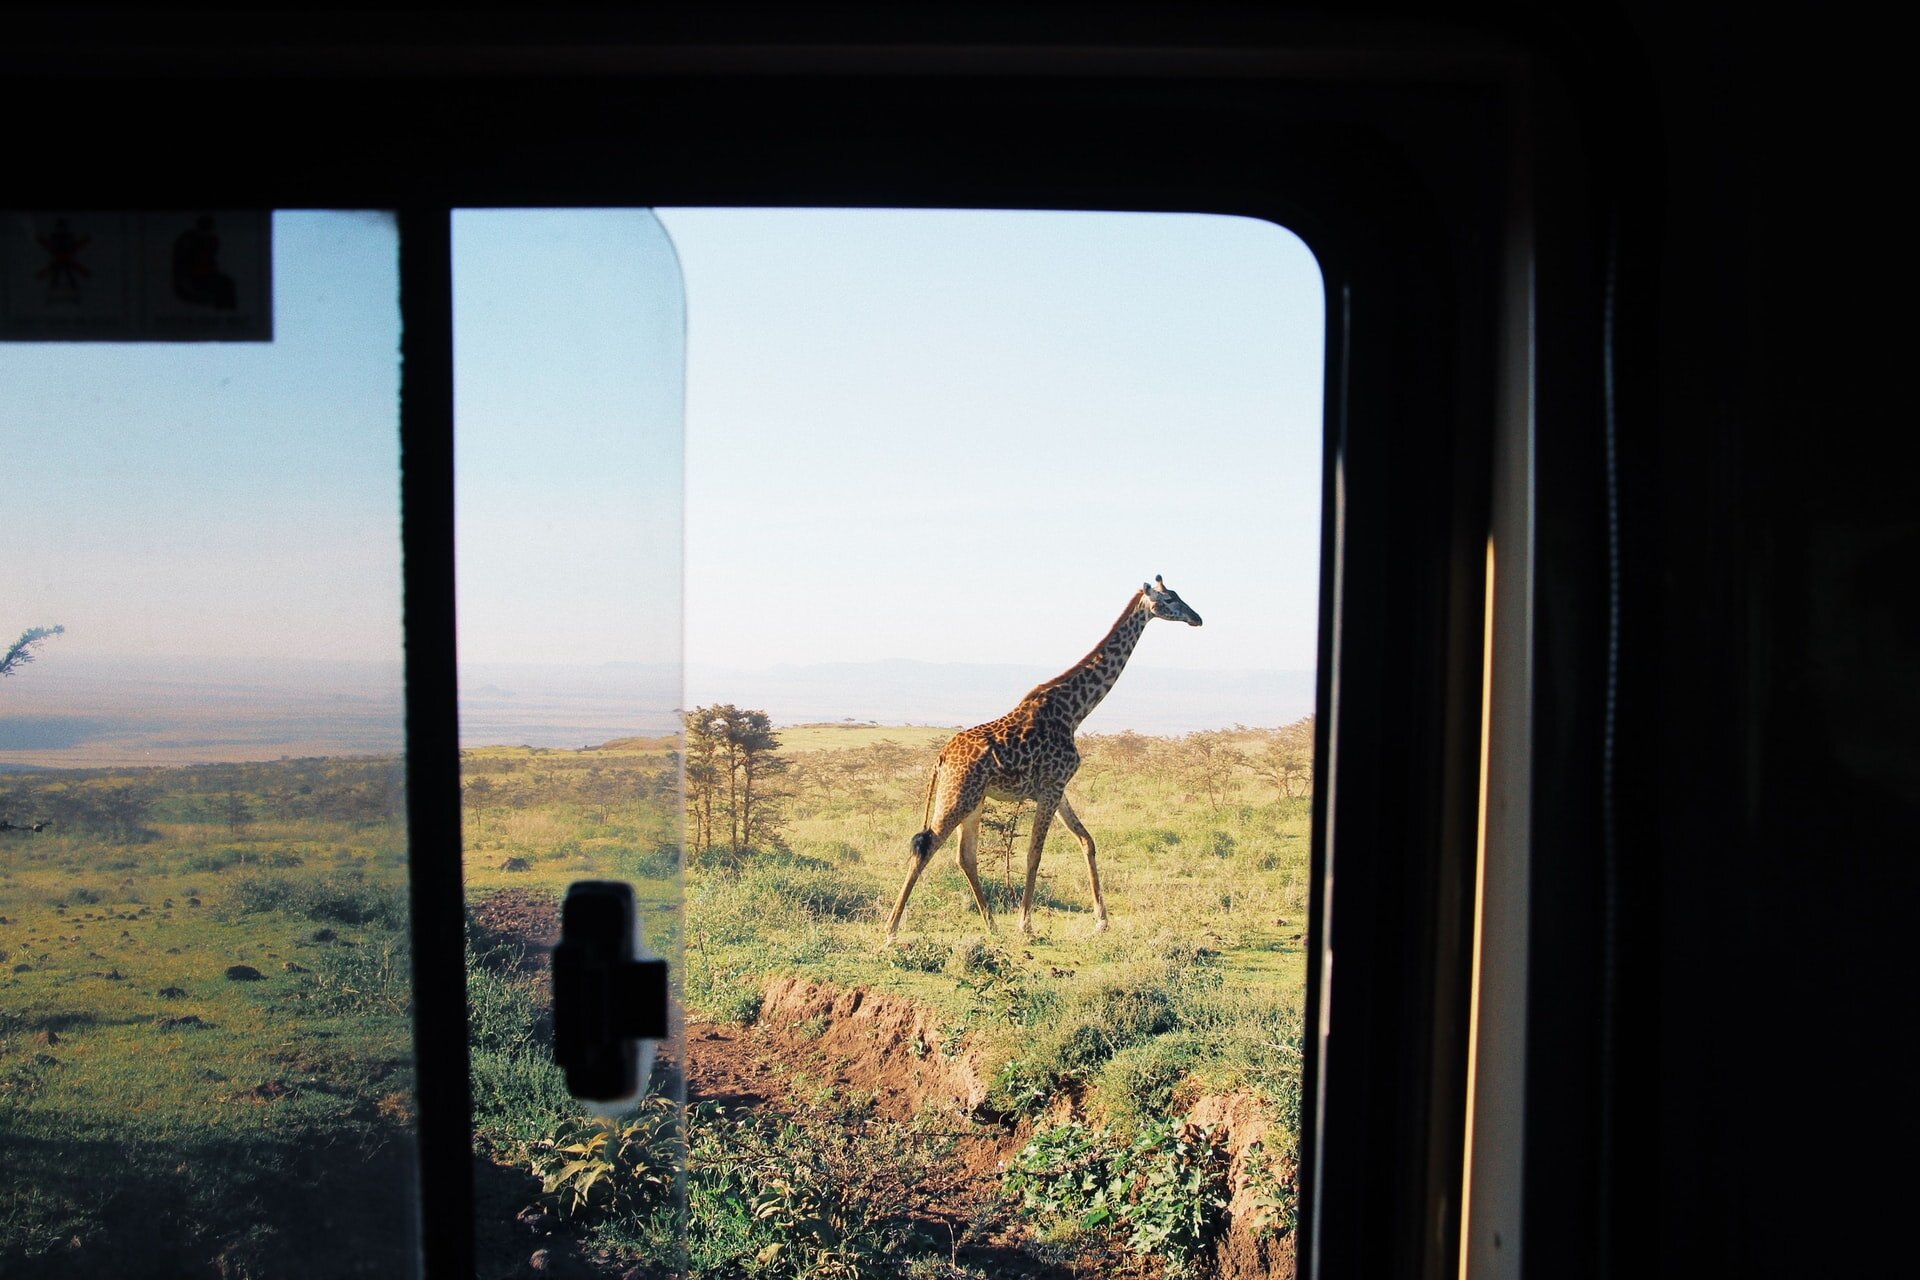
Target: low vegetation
[(205, 1030)]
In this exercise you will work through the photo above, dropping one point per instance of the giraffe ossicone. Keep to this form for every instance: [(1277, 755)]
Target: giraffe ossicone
[(1028, 754)]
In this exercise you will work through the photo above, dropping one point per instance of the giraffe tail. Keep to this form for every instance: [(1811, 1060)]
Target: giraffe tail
[(923, 843)]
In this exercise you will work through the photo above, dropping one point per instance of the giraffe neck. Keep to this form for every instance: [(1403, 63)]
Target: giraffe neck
[(1075, 692)]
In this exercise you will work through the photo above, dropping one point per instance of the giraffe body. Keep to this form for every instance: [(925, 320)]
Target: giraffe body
[(1029, 754)]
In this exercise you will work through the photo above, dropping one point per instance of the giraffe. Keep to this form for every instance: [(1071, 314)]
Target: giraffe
[(1028, 754)]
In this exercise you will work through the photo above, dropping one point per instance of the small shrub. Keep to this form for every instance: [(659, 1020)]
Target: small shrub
[(592, 1168), (657, 864), (345, 898), (1021, 1087), (1138, 1083), (376, 978), (771, 1197), (740, 1005), (918, 957), (1274, 1188), (817, 888), (975, 955), (83, 895), (1165, 1192)]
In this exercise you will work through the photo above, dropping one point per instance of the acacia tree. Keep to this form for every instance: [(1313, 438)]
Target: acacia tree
[(20, 652), (731, 765), (1210, 761), (1287, 760), (18, 655)]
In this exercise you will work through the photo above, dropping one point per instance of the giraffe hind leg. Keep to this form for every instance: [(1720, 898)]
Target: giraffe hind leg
[(947, 818), (969, 863)]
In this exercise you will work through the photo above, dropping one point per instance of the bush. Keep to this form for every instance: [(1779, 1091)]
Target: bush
[(740, 1005), (1166, 1191), (375, 978), (591, 1168), (657, 864), (770, 1197), (975, 955), (817, 888), (1138, 1082), (919, 957), (1164, 988), (344, 897)]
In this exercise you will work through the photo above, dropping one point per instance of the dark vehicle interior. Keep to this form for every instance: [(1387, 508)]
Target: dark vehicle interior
[(1606, 285)]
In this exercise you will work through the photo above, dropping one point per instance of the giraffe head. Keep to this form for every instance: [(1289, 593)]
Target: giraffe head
[(1163, 602)]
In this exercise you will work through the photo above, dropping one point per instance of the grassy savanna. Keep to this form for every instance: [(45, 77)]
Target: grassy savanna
[(205, 1057), (1195, 989), (205, 1065), (1203, 859)]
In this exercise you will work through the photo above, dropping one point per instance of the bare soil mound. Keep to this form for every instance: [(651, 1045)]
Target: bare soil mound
[(525, 918), (891, 1047), (1244, 1251), (894, 1049)]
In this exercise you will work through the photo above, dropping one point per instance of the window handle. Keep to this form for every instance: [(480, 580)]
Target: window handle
[(607, 997)]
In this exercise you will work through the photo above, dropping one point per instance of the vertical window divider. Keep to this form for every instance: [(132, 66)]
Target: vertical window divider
[(444, 1106)]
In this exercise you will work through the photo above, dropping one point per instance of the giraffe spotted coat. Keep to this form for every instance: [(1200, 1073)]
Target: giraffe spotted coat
[(1029, 754)]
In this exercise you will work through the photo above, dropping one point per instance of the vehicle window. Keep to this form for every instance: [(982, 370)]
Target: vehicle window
[(205, 1041), (568, 352), (932, 460)]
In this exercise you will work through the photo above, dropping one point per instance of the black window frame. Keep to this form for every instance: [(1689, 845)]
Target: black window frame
[(1394, 156)]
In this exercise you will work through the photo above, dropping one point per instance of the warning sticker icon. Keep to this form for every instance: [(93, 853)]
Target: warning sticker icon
[(67, 276), (188, 276), (207, 275)]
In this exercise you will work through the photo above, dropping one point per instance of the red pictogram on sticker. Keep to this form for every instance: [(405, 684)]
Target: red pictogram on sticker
[(64, 272)]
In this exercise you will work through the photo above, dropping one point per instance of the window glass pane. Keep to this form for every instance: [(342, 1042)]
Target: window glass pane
[(205, 1054), (932, 456), (569, 330)]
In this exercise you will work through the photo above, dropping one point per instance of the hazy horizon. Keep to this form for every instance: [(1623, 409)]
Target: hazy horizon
[(102, 712)]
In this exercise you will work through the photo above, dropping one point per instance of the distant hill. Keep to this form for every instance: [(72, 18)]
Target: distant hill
[(118, 712)]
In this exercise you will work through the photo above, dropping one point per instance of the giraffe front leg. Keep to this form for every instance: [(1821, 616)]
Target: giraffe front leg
[(1080, 832), (1042, 819)]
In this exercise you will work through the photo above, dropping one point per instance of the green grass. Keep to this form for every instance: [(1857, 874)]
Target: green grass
[(1220, 887), (159, 1113), (161, 1116)]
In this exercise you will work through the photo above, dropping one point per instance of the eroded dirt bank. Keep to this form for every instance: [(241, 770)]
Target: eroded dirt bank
[(894, 1050)]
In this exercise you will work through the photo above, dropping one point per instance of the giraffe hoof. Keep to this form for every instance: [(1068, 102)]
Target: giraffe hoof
[(1100, 925)]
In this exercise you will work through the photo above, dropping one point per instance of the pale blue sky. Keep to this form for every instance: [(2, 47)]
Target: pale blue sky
[(568, 356), (217, 499), (967, 436), (943, 436)]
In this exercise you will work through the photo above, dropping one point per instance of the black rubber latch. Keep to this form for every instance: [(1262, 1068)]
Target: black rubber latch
[(606, 999)]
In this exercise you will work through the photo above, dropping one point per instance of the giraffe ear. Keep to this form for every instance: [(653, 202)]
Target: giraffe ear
[(1146, 586)]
